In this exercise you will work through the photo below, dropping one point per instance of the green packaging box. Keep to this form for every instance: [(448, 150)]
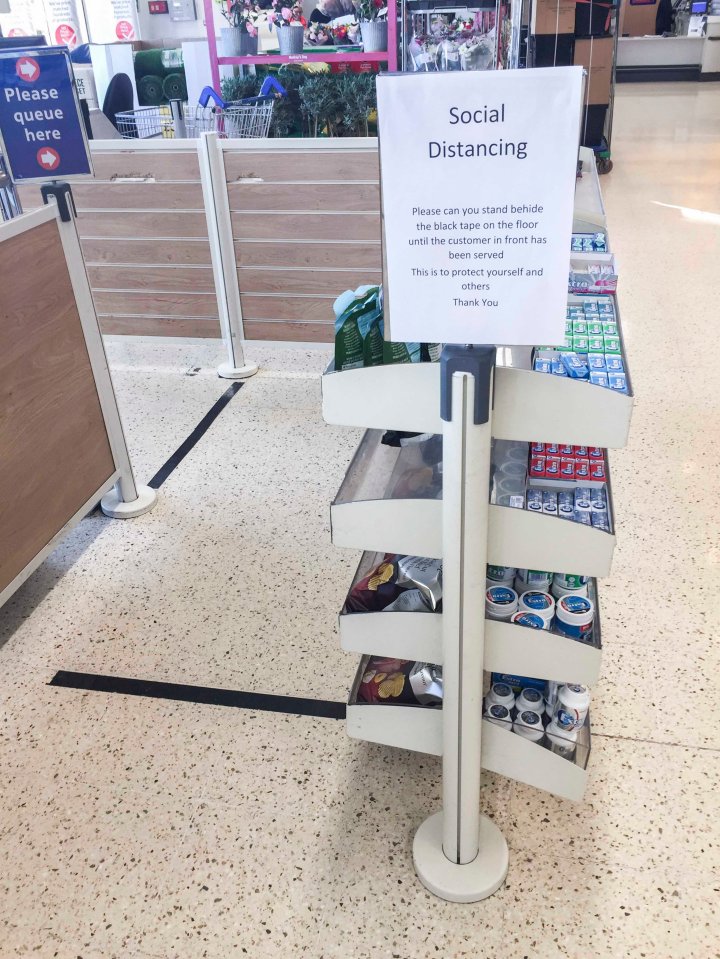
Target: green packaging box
[(612, 344), (580, 343)]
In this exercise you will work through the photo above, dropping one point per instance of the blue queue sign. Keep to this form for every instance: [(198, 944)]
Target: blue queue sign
[(41, 128)]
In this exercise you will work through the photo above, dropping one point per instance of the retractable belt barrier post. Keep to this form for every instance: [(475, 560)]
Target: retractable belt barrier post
[(128, 499)]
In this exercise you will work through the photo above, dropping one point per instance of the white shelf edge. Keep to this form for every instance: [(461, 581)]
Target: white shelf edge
[(533, 652), (398, 396), (419, 729), (407, 526), (515, 757), (554, 409), (405, 727), (518, 537), (508, 648), (416, 636)]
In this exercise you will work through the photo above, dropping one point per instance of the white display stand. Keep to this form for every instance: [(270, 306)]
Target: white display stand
[(459, 855)]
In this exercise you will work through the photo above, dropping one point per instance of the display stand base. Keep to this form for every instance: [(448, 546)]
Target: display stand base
[(113, 506), (228, 372), (469, 883)]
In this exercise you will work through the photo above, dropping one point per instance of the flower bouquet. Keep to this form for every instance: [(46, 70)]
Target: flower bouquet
[(374, 30), (290, 25), (240, 39)]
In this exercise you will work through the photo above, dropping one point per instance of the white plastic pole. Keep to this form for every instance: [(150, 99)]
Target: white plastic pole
[(460, 855), (466, 472), (128, 499), (222, 253)]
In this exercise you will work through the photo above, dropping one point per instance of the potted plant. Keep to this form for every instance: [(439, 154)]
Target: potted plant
[(290, 25), (240, 39), (373, 29)]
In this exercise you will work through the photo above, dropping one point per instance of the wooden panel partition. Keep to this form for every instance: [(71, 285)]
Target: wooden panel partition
[(54, 449), (306, 227), (304, 219), (144, 237)]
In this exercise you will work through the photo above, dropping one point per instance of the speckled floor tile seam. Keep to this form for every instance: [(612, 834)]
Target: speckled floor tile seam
[(668, 875), (691, 746)]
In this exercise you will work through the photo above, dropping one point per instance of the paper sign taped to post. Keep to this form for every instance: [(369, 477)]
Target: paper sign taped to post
[(478, 184)]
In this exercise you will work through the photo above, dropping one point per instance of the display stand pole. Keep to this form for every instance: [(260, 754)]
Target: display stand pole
[(127, 499), (460, 855)]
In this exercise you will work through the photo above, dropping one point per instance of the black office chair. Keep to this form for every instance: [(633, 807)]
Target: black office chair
[(118, 99)]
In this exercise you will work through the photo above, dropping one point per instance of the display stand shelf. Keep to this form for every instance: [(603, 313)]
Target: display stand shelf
[(589, 215), (419, 729), (371, 511), (550, 409), (508, 648)]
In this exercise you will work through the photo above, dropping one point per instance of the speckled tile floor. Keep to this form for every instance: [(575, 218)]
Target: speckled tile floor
[(162, 830)]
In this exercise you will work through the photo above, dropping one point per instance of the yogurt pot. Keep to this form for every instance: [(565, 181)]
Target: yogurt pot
[(569, 580), (507, 583), (534, 579), (528, 619), (502, 695), (500, 574), (563, 742), (498, 715), (542, 604), (529, 725), (574, 617), (500, 602), (572, 706), (559, 591), (531, 699)]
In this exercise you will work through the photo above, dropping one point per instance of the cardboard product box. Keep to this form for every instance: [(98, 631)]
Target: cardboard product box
[(592, 18), (638, 19), (593, 124), (552, 50), (553, 16), (596, 55)]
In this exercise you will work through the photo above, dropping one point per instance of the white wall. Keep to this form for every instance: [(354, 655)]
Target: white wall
[(159, 26)]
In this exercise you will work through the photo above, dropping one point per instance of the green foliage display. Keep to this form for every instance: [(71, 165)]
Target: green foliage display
[(331, 104)]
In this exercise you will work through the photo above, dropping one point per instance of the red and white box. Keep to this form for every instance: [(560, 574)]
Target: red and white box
[(537, 466), (567, 467), (597, 471), (537, 449), (595, 453), (582, 469), (552, 467)]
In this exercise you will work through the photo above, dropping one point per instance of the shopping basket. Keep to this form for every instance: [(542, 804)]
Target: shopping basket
[(244, 118)]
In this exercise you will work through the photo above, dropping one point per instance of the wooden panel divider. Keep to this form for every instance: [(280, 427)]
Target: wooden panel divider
[(305, 221), (306, 227)]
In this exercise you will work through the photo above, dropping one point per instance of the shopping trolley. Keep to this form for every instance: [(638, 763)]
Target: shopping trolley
[(242, 118)]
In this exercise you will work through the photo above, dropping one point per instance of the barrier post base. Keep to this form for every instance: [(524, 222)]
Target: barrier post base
[(229, 372), (471, 882), (113, 506)]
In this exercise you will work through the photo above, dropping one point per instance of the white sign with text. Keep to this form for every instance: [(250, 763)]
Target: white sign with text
[(478, 184)]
